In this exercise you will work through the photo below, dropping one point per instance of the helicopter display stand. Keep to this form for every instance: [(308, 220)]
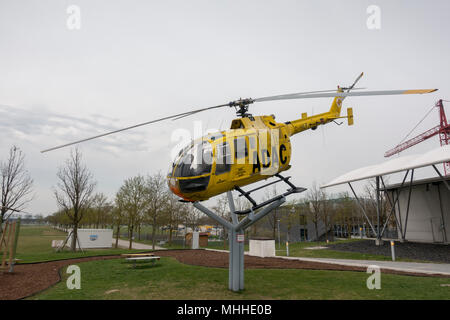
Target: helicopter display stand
[(237, 227)]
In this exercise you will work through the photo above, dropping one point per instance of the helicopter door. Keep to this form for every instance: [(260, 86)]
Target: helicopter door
[(223, 159), (242, 168)]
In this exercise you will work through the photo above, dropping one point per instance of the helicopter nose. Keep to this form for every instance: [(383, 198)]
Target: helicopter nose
[(173, 186)]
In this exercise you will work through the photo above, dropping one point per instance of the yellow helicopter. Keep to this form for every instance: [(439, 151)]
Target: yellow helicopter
[(254, 149)]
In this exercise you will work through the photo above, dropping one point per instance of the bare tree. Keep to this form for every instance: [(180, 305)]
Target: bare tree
[(192, 217), (370, 204), (74, 191), (157, 193), (223, 210), (117, 215), (290, 216), (314, 207), (274, 215), (345, 210), (327, 213), (131, 200), (172, 214), (16, 185), (100, 210)]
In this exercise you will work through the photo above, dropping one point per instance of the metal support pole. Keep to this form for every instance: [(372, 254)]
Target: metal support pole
[(236, 262), (236, 229), (241, 260), (234, 218), (442, 178), (409, 201), (399, 235), (362, 209), (248, 221), (231, 236), (378, 198), (392, 204), (213, 216), (399, 226), (448, 188), (236, 266), (444, 232)]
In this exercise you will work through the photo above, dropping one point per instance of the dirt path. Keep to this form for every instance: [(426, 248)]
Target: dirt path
[(28, 279)]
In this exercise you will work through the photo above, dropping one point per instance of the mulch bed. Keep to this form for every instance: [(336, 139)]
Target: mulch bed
[(29, 279)]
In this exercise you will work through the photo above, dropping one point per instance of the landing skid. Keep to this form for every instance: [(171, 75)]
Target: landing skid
[(236, 226), (292, 189)]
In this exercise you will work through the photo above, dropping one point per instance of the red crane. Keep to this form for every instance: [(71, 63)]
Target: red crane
[(443, 130)]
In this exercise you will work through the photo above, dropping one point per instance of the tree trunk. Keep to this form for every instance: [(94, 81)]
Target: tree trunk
[(131, 238), (224, 238), (153, 233), (1, 226), (274, 230), (73, 245), (316, 230), (117, 235)]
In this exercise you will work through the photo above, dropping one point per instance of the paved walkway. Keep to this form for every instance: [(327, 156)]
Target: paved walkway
[(140, 246), (414, 267)]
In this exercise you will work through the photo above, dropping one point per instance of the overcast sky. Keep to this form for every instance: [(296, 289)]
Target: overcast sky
[(134, 61)]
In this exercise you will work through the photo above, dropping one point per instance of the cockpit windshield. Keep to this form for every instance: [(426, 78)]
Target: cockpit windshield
[(195, 160)]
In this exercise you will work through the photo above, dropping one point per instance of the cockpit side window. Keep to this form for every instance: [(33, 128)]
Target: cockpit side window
[(223, 159), (240, 148), (195, 161), (215, 136)]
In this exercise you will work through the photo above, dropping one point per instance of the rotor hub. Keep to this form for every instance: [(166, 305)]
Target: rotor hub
[(241, 107)]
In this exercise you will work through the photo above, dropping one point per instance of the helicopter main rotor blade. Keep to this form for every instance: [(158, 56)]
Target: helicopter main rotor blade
[(134, 126), (343, 94), (243, 102), (301, 94), (355, 82)]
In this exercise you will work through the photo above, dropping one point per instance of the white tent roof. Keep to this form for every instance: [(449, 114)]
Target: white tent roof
[(438, 155)]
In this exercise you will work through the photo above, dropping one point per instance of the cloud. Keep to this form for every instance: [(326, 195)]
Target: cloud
[(45, 128)]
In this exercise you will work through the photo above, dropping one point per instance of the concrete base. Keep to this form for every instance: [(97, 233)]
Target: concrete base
[(262, 248), (379, 242)]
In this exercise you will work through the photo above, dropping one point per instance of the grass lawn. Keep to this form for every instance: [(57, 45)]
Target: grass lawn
[(299, 249), (169, 279), (35, 246)]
